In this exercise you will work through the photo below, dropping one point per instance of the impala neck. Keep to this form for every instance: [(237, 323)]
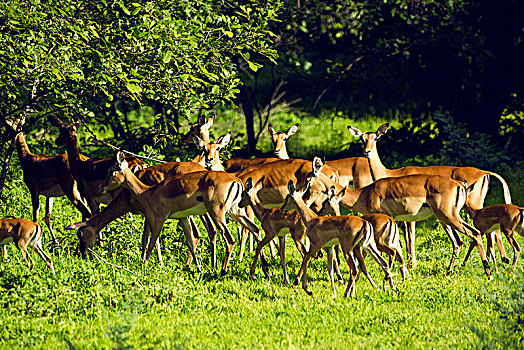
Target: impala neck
[(258, 208), (133, 184), (282, 153), (73, 154), (378, 170), (355, 199), (305, 212), (118, 207), (21, 146)]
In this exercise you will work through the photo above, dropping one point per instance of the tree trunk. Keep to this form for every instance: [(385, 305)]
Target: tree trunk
[(247, 107), (5, 165)]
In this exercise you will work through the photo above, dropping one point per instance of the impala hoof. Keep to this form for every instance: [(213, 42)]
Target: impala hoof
[(223, 273), (308, 292), (505, 260), (253, 277)]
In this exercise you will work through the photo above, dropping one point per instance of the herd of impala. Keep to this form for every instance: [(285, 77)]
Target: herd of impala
[(286, 195)]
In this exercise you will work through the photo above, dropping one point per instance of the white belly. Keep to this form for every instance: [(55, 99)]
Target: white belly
[(55, 191), (283, 232), (493, 228), (6, 240), (423, 214), (199, 209), (332, 242)]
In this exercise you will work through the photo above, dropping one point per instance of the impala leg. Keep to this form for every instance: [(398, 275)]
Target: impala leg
[(456, 247), (330, 253), (336, 265), (362, 266), (516, 248), (409, 230), (37, 247), (244, 234), (191, 241), (145, 240), (155, 227), (47, 218), (212, 233), (258, 252), (500, 246), (36, 205), (4, 251), (303, 269), (350, 290), (475, 235), (195, 238), (470, 249), (282, 253)]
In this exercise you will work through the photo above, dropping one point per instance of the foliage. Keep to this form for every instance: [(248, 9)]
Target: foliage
[(92, 53)]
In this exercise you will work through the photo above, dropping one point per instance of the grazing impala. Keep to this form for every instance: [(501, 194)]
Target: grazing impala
[(89, 173), (178, 197), (24, 233), (409, 198), (351, 232), (47, 176), (385, 229), (124, 202), (477, 178), (508, 218)]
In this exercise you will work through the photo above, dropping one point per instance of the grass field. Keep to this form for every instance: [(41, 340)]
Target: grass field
[(90, 304)]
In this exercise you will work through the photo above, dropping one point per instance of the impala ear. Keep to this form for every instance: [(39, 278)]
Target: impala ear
[(382, 129), (224, 140), (271, 129), (210, 120), (198, 142), (260, 183), (55, 121), (76, 225), (331, 192), (468, 189), (291, 187), (249, 184), (318, 164), (354, 131), (341, 194), (292, 130), (201, 120), (121, 160)]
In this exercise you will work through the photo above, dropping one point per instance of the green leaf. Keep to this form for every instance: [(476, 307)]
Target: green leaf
[(167, 56)]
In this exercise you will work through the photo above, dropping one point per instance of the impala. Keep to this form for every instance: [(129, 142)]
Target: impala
[(47, 176), (124, 202), (409, 198), (279, 139), (214, 192), (200, 129), (210, 156), (477, 178), (24, 233), (89, 173), (275, 224), (351, 232), (386, 232), (505, 217)]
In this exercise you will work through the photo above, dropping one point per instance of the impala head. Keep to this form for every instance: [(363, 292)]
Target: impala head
[(250, 191), (292, 197), (86, 236), (330, 204), (115, 175), (14, 125), (200, 129), (279, 140), (211, 151), (67, 130), (369, 139)]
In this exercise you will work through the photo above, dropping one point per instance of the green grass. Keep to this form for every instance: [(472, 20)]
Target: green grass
[(91, 304)]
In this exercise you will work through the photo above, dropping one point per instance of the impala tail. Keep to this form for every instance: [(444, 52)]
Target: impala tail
[(505, 187)]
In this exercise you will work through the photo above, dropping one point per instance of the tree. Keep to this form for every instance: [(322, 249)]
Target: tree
[(77, 57)]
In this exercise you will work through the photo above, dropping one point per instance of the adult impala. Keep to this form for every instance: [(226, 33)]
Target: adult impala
[(477, 178), (48, 176), (178, 197), (89, 173), (409, 198), (124, 202)]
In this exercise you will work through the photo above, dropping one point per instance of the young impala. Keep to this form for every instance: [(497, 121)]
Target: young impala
[(351, 232), (24, 233)]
